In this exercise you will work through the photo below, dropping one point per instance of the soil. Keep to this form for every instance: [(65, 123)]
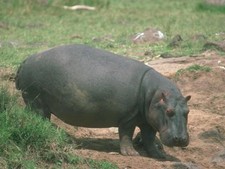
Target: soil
[(206, 120)]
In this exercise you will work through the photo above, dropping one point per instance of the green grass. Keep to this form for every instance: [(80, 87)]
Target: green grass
[(32, 27), (194, 68), (28, 141), (211, 8)]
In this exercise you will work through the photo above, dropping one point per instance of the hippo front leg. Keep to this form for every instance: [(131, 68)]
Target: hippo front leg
[(153, 147), (126, 145)]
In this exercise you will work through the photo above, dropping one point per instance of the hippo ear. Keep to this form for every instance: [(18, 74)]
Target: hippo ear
[(162, 98), (188, 98)]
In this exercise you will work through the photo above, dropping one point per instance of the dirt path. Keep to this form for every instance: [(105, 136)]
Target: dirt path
[(206, 121)]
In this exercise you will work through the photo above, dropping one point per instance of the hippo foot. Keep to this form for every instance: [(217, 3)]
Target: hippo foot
[(155, 151), (139, 142), (129, 151), (159, 154)]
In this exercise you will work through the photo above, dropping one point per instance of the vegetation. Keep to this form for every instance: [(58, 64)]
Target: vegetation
[(194, 68), (30, 26), (28, 141), (211, 8)]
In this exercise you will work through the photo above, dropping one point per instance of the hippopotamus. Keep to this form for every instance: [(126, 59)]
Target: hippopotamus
[(89, 87)]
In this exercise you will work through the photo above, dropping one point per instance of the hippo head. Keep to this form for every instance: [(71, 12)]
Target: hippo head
[(168, 114)]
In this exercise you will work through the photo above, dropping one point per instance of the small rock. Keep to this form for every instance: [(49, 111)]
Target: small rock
[(180, 165), (148, 53), (217, 45), (166, 55), (219, 158), (113, 153), (150, 36), (176, 41), (216, 134), (127, 167)]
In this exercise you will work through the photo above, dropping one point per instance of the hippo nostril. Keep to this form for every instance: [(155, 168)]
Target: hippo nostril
[(184, 139), (179, 139)]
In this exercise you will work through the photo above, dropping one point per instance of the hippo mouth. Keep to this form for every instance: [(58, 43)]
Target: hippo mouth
[(171, 140)]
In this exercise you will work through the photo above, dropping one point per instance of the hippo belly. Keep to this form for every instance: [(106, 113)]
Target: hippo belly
[(83, 86)]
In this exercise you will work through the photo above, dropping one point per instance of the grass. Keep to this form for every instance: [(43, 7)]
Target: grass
[(28, 141), (29, 27), (194, 68), (211, 8)]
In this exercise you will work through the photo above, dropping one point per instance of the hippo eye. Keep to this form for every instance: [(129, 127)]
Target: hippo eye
[(170, 112)]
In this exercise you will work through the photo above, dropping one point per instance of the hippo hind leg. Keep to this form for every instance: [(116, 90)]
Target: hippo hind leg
[(36, 104)]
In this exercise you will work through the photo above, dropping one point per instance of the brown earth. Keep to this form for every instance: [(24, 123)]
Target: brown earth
[(206, 121)]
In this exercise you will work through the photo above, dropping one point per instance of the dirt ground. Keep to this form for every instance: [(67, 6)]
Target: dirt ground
[(206, 121)]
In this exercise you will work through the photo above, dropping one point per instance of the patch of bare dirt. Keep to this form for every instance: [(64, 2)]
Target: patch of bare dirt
[(7, 78), (206, 120)]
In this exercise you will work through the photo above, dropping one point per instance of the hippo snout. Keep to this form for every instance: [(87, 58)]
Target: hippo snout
[(182, 141), (171, 140)]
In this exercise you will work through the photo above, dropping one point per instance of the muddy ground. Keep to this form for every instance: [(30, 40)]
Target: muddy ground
[(206, 121)]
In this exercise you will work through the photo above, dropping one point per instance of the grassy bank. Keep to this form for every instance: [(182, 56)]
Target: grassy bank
[(28, 141)]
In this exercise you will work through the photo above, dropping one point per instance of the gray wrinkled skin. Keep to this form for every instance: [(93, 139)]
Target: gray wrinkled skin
[(89, 87)]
